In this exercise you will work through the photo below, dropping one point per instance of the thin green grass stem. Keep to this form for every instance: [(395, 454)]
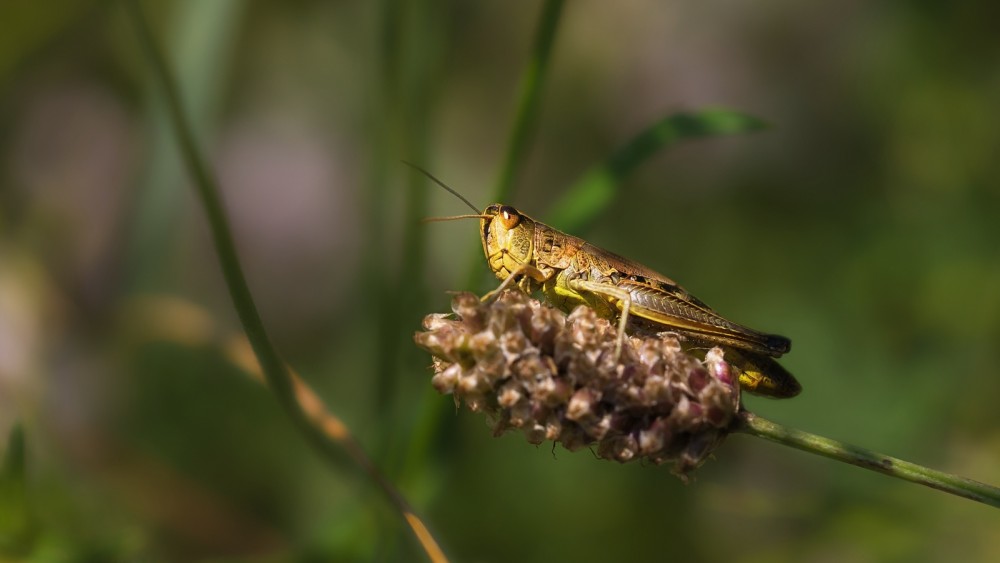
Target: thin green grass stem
[(867, 459), (275, 372)]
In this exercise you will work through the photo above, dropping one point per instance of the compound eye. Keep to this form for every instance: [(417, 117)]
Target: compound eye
[(509, 216)]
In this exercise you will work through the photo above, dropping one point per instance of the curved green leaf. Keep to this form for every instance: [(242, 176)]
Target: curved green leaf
[(599, 185)]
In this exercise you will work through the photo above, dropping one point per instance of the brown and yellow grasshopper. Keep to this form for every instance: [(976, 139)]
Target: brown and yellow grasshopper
[(570, 271)]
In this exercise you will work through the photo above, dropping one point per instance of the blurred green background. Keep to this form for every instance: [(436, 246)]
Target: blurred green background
[(864, 223)]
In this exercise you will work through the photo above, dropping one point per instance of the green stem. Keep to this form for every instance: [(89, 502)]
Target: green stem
[(428, 425), (528, 98), (529, 95), (205, 185), (754, 425), (275, 372), (201, 43)]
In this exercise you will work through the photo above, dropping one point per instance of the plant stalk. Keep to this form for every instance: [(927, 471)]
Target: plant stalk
[(754, 425), (305, 409)]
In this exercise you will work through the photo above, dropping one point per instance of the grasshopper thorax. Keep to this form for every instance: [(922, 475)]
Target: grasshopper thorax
[(508, 239)]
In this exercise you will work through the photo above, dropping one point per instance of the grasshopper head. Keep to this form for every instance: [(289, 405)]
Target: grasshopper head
[(508, 239)]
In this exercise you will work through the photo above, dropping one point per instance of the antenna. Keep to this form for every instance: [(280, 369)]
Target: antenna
[(443, 185)]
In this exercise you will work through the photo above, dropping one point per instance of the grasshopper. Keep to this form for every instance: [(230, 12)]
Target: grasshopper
[(570, 271)]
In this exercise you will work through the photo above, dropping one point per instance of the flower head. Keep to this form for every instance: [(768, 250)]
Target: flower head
[(555, 377)]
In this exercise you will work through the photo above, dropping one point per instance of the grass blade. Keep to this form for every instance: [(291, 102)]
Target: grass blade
[(598, 187)]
